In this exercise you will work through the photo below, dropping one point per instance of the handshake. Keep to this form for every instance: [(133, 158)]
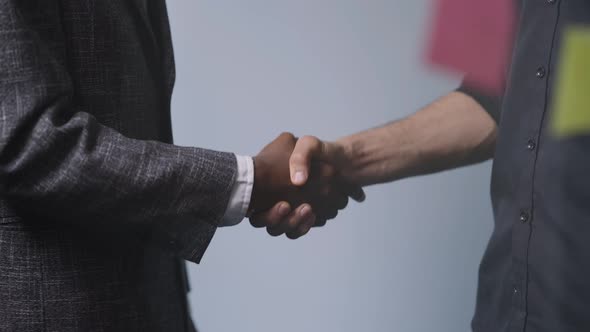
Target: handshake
[(299, 184)]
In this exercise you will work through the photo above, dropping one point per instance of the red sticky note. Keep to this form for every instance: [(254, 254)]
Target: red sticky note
[(475, 38)]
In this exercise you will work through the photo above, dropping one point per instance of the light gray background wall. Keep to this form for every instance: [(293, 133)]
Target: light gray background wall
[(406, 260)]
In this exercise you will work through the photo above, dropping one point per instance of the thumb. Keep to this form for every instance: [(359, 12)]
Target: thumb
[(306, 149)]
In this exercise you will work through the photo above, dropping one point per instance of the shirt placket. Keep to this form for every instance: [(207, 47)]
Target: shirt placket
[(530, 144)]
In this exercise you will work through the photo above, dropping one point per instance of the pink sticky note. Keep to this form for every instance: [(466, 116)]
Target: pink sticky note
[(475, 38)]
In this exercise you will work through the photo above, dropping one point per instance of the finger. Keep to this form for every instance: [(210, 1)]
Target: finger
[(302, 229), (272, 217), (328, 215), (305, 150), (320, 222), (274, 231), (305, 213), (330, 198), (329, 204), (305, 227), (341, 202), (329, 209), (354, 191), (321, 173), (358, 194), (295, 218)]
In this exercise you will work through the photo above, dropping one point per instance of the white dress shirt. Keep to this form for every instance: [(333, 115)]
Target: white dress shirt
[(241, 193)]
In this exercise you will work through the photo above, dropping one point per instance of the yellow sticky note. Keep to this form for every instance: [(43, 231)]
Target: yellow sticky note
[(571, 103)]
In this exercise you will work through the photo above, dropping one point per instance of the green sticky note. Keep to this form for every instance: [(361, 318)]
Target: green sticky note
[(571, 103)]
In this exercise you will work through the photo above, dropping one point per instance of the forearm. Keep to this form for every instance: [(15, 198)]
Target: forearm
[(451, 132)]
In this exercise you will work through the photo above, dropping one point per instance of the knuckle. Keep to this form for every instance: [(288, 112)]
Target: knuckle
[(293, 223), (308, 138), (297, 158), (287, 134), (311, 141)]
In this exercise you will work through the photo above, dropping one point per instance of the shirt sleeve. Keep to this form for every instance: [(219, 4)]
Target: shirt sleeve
[(241, 192), (492, 104)]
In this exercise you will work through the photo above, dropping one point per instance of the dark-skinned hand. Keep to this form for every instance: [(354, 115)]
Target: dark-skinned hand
[(274, 195)]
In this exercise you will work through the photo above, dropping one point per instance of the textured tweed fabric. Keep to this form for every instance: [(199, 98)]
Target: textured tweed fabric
[(97, 207)]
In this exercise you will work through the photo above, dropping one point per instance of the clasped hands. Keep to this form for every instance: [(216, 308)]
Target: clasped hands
[(299, 184)]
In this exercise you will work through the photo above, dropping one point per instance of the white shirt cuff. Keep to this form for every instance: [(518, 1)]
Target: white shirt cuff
[(241, 193)]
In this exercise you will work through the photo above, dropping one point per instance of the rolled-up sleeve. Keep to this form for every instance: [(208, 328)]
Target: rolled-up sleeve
[(492, 104)]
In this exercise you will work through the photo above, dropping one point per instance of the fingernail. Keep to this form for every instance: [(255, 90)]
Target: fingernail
[(306, 210), (299, 177), (283, 209)]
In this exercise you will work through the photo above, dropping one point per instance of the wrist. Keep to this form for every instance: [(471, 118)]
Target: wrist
[(260, 175), (369, 159), (351, 157), (350, 149), (255, 189)]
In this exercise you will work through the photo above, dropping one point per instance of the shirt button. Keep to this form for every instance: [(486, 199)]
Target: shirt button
[(540, 72), (551, 2), (515, 290), (531, 145), (524, 217)]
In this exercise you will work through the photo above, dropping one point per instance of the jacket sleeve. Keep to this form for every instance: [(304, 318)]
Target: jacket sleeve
[(60, 164)]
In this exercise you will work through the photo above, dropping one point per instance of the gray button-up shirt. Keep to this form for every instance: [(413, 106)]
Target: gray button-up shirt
[(535, 274)]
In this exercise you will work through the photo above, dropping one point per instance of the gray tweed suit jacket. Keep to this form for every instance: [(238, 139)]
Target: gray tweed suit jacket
[(97, 208)]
